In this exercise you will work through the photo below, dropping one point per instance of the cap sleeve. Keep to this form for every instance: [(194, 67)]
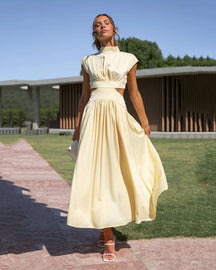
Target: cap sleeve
[(84, 63), (132, 61)]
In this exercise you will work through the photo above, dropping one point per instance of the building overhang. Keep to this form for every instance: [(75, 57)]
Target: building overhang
[(141, 73)]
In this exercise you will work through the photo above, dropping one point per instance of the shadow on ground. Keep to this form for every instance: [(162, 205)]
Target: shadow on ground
[(27, 225)]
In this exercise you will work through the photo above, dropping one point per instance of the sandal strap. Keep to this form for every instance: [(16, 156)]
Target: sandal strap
[(112, 254), (109, 254), (110, 244)]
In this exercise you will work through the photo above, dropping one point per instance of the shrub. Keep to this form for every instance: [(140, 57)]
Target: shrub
[(10, 117), (54, 109)]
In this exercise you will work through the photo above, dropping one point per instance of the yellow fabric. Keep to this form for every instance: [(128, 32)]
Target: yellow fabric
[(109, 67), (118, 174)]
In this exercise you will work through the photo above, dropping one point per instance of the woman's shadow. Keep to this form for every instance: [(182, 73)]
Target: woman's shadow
[(27, 225)]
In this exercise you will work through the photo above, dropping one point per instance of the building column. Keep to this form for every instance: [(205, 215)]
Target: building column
[(163, 96), (0, 107), (214, 122), (36, 123)]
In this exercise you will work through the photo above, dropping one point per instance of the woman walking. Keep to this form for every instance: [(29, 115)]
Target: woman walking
[(118, 175)]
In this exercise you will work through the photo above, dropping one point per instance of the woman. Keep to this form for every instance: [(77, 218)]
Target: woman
[(118, 174)]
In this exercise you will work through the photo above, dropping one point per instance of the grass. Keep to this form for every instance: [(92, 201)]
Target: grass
[(186, 209)]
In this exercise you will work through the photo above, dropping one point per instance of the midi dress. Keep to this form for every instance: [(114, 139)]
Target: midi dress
[(118, 174)]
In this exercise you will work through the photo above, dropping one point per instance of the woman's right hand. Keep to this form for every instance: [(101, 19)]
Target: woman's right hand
[(76, 135)]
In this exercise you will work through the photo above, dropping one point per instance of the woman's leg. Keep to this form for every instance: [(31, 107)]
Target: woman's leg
[(109, 242)]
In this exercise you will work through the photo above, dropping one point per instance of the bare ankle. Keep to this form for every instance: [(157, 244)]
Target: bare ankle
[(108, 234)]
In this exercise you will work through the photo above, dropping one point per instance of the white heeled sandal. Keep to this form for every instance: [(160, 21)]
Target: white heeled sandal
[(109, 254)]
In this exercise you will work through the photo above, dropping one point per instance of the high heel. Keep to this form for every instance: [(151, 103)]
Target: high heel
[(100, 243)]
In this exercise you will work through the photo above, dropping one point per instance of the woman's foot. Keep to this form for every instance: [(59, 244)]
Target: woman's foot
[(100, 241), (109, 254)]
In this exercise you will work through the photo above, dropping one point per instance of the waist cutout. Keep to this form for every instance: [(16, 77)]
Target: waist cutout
[(110, 84), (104, 93)]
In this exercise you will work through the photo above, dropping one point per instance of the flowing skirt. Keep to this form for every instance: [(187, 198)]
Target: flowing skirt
[(118, 175)]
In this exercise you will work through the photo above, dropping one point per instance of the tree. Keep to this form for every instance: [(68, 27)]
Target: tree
[(179, 61), (187, 60), (201, 61), (147, 52), (194, 61), (171, 61), (210, 61)]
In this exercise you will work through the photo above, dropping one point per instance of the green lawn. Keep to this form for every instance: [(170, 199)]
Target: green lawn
[(188, 208)]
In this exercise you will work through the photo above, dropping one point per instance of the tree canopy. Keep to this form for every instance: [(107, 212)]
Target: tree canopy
[(150, 56)]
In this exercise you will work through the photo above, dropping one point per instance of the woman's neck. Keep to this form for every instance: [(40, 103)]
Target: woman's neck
[(107, 43)]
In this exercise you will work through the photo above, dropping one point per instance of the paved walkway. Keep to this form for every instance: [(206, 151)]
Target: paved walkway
[(34, 235)]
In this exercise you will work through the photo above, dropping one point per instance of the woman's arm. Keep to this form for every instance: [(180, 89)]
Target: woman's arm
[(82, 102), (136, 99)]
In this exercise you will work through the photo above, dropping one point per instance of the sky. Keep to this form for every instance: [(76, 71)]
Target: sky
[(44, 39)]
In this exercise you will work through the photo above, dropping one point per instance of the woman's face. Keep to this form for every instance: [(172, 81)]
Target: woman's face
[(103, 29)]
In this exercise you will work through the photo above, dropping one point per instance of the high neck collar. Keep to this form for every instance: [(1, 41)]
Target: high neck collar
[(113, 49)]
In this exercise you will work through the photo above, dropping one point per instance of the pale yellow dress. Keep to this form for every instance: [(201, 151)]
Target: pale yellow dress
[(118, 174)]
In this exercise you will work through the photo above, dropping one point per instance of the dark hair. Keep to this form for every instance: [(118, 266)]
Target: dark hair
[(96, 41)]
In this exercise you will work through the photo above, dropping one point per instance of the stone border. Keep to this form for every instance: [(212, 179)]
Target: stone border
[(183, 135), (9, 131), (158, 134)]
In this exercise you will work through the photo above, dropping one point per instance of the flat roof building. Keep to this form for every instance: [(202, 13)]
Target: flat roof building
[(176, 98)]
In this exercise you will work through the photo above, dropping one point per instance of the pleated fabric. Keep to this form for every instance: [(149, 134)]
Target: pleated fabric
[(118, 174)]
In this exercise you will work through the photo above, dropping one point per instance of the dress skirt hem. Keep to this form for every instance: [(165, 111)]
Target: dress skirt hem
[(108, 226)]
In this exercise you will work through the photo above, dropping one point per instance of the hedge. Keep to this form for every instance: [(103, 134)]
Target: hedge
[(13, 121)]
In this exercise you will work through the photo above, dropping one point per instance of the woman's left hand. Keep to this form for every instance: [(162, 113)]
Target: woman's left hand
[(147, 129), (76, 135)]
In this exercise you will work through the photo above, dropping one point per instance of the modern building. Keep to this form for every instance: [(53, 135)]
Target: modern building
[(176, 98)]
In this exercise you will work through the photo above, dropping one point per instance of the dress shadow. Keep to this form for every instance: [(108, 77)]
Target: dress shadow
[(27, 225)]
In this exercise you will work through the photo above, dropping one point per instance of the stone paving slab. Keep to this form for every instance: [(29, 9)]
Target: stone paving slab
[(34, 235)]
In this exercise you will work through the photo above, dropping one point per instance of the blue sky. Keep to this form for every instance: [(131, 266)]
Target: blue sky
[(42, 39)]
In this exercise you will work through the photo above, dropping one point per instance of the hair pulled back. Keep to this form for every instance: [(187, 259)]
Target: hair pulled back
[(96, 41)]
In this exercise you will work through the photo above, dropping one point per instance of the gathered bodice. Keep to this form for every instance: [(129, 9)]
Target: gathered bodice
[(108, 67)]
